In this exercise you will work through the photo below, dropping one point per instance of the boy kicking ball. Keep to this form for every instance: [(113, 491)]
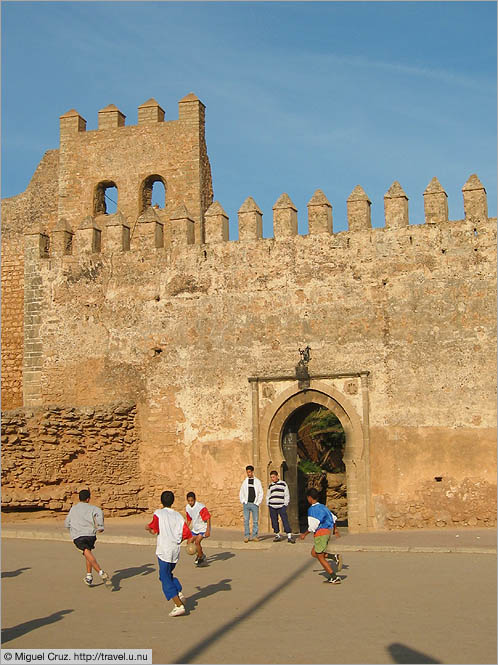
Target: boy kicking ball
[(199, 521), (84, 521), (321, 522)]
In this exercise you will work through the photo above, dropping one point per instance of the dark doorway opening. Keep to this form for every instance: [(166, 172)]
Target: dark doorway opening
[(313, 441)]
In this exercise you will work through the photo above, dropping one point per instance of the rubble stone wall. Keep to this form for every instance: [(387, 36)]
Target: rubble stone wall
[(447, 502), (49, 454)]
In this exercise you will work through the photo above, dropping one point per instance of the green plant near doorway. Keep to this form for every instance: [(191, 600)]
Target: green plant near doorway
[(307, 466), (321, 441)]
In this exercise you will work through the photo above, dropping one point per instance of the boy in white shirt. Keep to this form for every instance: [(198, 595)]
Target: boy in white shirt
[(251, 496), (170, 528), (199, 521)]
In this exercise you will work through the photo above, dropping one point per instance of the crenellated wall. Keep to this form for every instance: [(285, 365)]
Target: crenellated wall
[(159, 309), (131, 158)]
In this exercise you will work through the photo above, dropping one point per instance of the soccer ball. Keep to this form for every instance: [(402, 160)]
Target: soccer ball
[(191, 548)]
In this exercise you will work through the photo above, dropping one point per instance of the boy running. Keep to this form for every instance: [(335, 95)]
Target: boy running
[(170, 528), (199, 521), (321, 522), (84, 521)]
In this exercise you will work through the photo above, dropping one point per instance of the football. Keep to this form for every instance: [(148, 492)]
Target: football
[(191, 548)]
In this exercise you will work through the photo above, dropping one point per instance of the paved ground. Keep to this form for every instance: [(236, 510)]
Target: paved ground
[(130, 530), (265, 605)]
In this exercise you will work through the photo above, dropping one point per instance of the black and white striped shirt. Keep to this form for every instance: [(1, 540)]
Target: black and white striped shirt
[(278, 494)]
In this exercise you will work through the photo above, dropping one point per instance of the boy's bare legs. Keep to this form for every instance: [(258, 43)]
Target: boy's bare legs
[(198, 547), (321, 558), (91, 561)]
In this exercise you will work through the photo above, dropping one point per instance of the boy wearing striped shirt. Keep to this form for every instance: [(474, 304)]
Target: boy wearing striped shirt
[(277, 500), (321, 523), (199, 521)]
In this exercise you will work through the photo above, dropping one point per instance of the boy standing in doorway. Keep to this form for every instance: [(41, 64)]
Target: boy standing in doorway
[(321, 523), (277, 499), (84, 521)]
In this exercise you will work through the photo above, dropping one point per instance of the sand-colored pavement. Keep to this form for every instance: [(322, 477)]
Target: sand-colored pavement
[(260, 605), (131, 531)]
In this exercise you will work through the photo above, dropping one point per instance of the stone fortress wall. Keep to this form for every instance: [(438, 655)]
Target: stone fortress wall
[(157, 311)]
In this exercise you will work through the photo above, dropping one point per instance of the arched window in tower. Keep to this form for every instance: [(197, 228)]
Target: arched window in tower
[(105, 200), (153, 192)]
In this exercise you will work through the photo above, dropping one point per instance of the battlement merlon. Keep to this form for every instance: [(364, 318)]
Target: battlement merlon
[(190, 110), (153, 229), (130, 158)]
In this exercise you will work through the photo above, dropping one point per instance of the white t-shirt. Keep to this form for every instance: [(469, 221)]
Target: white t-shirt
[(199, 515), (172, 530)]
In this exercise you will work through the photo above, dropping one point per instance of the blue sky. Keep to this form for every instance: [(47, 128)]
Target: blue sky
[(299, 95)]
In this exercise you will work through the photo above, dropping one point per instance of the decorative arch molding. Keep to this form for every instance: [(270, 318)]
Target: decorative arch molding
[(356, 457)]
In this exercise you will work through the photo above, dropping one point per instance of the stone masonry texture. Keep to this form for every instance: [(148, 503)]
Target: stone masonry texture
[(49, 454), (168, 361)]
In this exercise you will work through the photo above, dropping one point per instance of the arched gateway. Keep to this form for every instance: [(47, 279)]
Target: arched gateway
[(268, 440)]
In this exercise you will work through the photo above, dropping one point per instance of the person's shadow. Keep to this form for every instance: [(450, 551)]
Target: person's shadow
[(12, 633), (400, 653), (126, 573), (14, 573), (203, 592), (220, 556)]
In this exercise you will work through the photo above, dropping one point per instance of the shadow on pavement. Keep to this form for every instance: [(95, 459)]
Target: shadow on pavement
[(400, 653), (193, 653), (221, 556), (125, 573), (9, 634), (204, 592), (14, 573)]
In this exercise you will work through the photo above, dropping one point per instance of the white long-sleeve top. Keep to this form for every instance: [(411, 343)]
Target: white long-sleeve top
[(171, 529), (244, 491)]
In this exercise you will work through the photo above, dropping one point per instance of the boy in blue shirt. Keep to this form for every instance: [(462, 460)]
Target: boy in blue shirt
[(321, 523)]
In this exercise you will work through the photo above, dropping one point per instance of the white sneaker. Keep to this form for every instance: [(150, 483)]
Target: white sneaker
[(107, 580), (88, 580), (181, 596), (338, 560), (177, 611)]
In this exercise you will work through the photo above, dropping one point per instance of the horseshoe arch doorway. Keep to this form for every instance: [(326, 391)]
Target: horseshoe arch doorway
[(281, 416), (313, 442)]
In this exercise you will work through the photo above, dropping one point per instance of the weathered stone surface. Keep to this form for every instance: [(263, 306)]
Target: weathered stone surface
[(136, 363), (34, 463)]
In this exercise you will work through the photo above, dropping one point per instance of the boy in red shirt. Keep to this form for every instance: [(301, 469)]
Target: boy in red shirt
[(199, 521)]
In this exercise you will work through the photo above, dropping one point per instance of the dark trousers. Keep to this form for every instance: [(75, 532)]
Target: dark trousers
[(274, 513)]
